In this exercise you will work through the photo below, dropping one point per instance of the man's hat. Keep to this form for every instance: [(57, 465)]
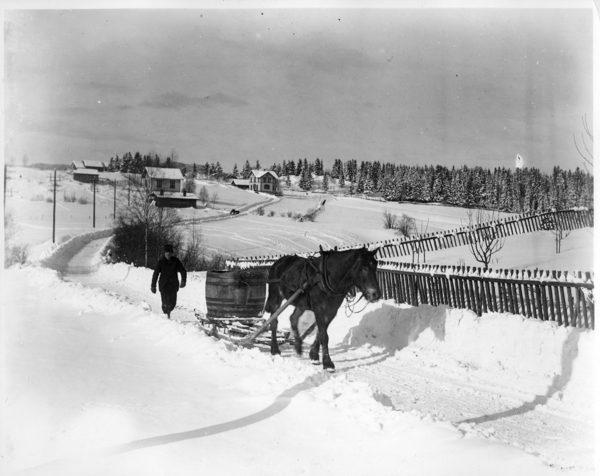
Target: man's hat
[(169, 248)]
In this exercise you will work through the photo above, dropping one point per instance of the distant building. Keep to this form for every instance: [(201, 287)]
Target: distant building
[(86, 175), (264, 181), (174, 199), (88, 165), (244, 184), (166, 188), (159, 179)]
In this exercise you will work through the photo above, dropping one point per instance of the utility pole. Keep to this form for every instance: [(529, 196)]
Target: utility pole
[(115, 201), (54, 210), (94, 214)]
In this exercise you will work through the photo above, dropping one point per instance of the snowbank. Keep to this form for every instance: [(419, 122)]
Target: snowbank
[(57, 255), (527, 357)]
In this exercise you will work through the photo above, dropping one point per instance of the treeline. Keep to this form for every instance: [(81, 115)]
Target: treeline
[(504, 189)]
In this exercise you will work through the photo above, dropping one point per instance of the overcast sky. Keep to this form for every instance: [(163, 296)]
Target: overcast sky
[(429, 86)]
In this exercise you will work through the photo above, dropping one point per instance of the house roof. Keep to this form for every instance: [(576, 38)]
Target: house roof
[(260, 173), (93, 163), (78, 165), (86, 172), (160, 173), (240, 182)]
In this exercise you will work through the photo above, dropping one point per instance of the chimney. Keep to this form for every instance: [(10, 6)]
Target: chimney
[(184, 192), (162, 192)]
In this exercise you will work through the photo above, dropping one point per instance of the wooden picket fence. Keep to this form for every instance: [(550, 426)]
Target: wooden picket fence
[(561, 297), (527, 223)]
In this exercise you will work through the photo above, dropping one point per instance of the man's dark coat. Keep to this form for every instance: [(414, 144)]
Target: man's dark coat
[(167, 269)]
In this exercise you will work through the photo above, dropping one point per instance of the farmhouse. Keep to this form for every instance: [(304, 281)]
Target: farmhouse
[(159, 179), (86, 175), (88, 165), (244, 184), (264, 181), (166, 189)]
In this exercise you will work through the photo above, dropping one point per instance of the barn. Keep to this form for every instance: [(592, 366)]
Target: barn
[(244, 184), (86, 175), (174, 199)]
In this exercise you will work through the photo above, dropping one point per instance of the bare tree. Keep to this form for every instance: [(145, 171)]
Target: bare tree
[(406, 226), (203, 195), (213, 199), (189, 185), (143, 222), (484, 241), (588, 156), (389, 220), (555, 226), (418, 246)]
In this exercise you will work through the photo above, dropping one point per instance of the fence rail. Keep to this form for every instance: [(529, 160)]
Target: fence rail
[(526, 223), (557, 296)]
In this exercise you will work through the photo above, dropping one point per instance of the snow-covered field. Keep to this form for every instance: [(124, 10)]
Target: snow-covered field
[(98, 382)]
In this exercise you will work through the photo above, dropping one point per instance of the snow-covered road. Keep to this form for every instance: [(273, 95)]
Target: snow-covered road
[(529, 416)]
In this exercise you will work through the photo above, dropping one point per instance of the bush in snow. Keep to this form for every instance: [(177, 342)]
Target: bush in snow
[(389, 220), (406, 226)]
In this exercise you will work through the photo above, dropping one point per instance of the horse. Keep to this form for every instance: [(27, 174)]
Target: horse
[(327, 280)]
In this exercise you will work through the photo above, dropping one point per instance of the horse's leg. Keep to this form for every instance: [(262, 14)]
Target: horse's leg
[(272, 304), (314, 350), (274, 345), (294, 323), (323, 324)]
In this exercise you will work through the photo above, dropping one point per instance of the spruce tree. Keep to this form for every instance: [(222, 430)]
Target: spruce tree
[(246, 171)]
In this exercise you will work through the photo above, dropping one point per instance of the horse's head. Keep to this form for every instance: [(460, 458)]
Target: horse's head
[(365, 279)]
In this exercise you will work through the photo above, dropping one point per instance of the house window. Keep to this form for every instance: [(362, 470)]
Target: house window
[(267, 187), (172, 184), (159, 184)]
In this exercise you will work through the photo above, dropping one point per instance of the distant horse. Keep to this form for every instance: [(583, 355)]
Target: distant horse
[(328, 280), (234, 212)]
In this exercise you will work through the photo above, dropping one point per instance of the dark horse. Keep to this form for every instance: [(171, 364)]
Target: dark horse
[(328, 279)]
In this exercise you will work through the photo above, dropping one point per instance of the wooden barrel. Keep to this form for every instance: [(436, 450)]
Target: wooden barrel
[(236, 293)]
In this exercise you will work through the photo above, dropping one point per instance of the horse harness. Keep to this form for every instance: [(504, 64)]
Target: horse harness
[(320, 278)]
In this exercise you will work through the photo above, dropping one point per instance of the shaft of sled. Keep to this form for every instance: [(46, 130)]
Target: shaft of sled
[(272, 317)]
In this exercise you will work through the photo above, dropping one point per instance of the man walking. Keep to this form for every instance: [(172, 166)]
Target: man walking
[(168, 284)]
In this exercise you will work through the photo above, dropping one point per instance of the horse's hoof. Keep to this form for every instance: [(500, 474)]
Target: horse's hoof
[(315, 362), (275, 352), (331, 370)]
